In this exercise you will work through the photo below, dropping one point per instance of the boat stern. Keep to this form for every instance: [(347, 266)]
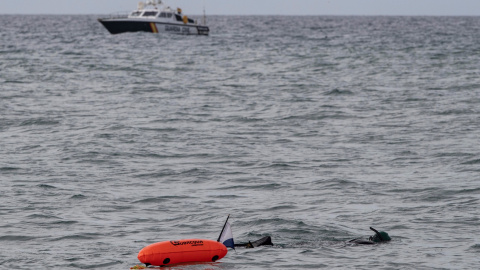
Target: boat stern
[(203, 30)]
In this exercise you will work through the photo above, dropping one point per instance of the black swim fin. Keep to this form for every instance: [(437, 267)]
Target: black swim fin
[(264, 241)]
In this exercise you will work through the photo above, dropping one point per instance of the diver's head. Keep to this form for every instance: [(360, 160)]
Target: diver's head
[(380, 237)]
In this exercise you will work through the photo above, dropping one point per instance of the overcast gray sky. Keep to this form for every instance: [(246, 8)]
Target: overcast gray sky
[(253, 7)]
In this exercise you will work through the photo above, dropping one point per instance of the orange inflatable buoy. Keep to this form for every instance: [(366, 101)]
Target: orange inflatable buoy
[(182, 251)]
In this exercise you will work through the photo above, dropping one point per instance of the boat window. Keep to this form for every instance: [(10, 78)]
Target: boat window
[(191, 21), (179, 18), (150, 13), (136, 13), (169, 15), (163, 15)]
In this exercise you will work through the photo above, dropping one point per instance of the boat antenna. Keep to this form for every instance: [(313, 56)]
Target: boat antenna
[(223, 228), (204, 16)]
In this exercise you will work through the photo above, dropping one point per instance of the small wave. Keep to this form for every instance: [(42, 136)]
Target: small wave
[(16, 238), (39, 122), (195, 172), (339, 115), (456, 112), (336, 182), (16, 82), (411, 190), (475, 247), (338, 92), (280, 165), (227, 196), (281, 222), (41, 216), (95, 266), (74, 53), (282, 141), (13, 51), (280, 207), (45, 186), (454, 154), (78, 197), (86, 236), (161, 174), (265, 187), (465, 191), (159, 129), (64, 222), (153, 200), (247, 120), (161, 199), (8, 169), (471, 162)]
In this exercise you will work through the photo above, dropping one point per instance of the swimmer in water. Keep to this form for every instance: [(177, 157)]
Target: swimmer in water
[(379, 237)]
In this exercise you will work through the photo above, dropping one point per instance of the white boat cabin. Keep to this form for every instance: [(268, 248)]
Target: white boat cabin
[(167, 14)]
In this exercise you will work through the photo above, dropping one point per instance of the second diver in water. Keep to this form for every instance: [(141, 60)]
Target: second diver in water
[(379, 237)]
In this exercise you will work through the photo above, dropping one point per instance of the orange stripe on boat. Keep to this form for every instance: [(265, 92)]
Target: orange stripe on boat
[(154, 27), (182, 251)]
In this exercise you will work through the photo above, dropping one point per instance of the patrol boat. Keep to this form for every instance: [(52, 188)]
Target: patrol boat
[(153, 16)]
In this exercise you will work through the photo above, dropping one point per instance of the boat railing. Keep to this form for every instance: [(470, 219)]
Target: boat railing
[(118, 15)]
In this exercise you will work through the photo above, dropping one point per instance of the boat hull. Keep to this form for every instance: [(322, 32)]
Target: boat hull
[(118, 26)]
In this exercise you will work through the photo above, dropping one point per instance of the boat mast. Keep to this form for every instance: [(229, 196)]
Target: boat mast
[(204, 16), (153, 3)]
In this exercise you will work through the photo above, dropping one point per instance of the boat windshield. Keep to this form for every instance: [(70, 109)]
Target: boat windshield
[(165, 15), (136, 13), (150, 13)]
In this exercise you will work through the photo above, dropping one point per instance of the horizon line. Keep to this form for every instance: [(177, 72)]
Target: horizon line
[(323, 15)]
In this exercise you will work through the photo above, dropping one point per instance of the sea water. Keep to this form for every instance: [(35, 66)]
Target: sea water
[(307, 129)]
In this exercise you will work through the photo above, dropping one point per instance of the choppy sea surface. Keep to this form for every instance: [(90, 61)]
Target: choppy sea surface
[(307, 129)]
